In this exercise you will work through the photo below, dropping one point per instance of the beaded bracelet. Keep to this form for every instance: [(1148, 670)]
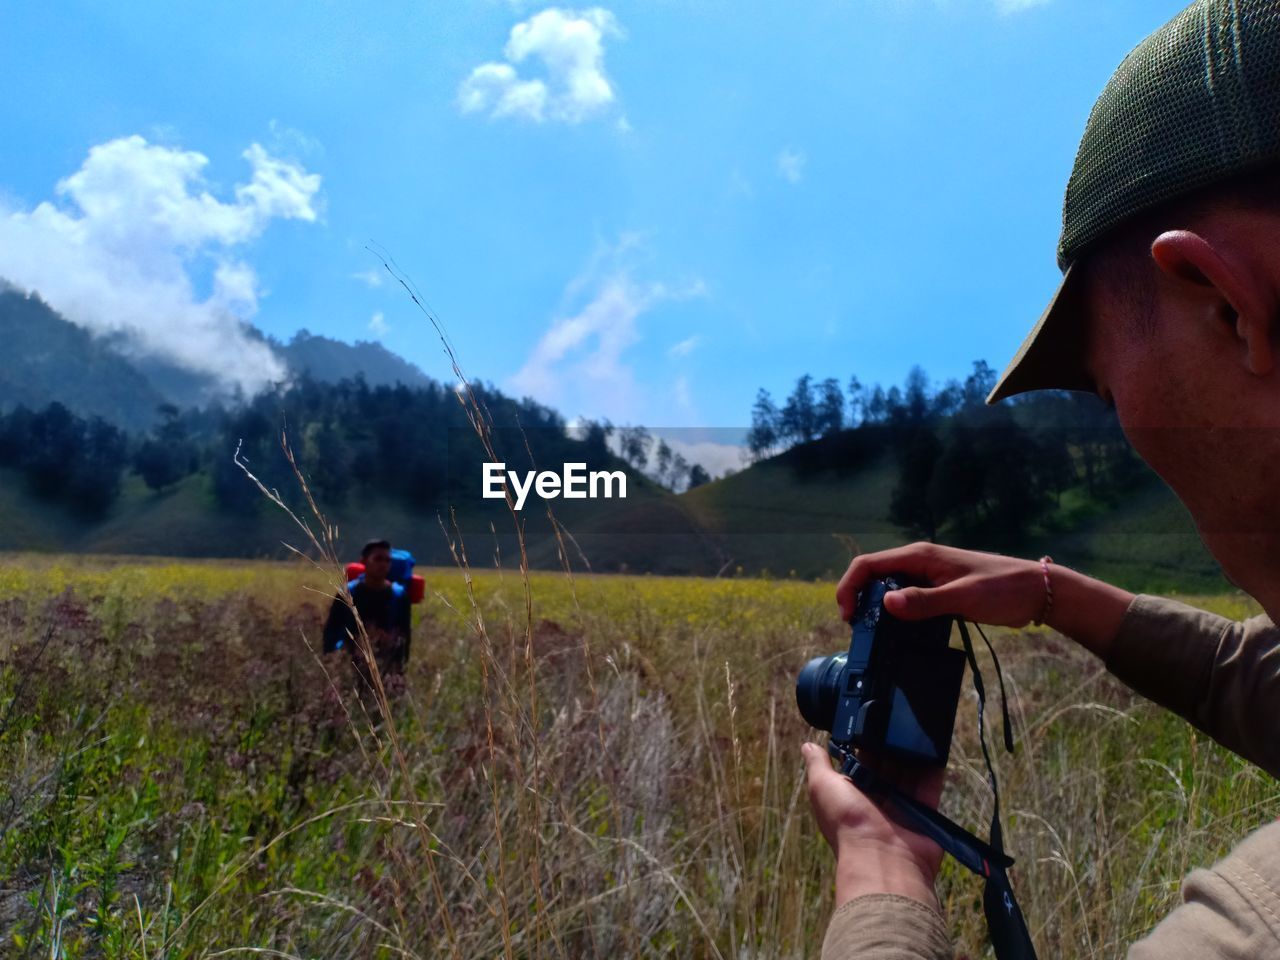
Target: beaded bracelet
[(1048, 590)]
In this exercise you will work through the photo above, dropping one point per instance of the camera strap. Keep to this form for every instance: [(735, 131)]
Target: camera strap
[(1008, 929)]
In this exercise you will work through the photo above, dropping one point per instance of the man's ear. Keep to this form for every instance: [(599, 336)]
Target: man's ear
[(1246, 301)]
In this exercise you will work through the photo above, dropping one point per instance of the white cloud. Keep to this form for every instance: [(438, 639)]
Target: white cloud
[(587, 348), (684, 347), (121, 249), (570, 47), (791, 165), (378, 325), (278, 188), (235, 287), (372, 278), (495, 85), (579, 364)]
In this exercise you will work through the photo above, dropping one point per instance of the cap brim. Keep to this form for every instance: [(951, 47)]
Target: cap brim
[(1053, 355)]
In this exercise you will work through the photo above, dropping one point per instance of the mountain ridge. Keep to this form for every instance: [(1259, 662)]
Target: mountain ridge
[(802, 513), (52, 359)]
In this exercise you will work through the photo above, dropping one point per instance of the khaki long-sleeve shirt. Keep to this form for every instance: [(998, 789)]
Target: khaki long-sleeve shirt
[(1223, 676)]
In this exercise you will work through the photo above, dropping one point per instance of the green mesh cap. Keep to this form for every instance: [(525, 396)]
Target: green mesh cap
[(1195, 103)]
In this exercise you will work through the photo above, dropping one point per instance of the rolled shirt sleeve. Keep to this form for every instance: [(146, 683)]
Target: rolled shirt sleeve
[(1223, 675), (886, 927), (1229, 912)]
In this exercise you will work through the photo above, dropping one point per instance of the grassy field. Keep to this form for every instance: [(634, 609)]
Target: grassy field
[(602, 766)]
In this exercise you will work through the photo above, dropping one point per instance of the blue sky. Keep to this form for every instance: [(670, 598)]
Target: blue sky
[(640, 210)]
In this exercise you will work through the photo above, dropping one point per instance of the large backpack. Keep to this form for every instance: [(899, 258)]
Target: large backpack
[(401, 575)]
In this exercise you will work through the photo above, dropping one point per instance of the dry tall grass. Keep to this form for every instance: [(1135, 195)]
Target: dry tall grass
[(183, 782), (577, 767)]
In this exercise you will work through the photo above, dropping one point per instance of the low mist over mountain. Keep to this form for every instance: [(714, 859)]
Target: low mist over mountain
[(48, 359)]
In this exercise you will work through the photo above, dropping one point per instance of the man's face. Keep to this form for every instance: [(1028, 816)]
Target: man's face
[(377, 564), (1190, 409)]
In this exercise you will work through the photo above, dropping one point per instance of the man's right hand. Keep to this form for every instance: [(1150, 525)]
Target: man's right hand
[(985, 587), (990, 588)]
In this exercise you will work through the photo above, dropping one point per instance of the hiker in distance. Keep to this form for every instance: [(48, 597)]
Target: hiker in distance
[(1169, 308), (385, 611)]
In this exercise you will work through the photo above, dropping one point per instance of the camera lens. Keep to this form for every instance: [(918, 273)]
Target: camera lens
[(817, 690)]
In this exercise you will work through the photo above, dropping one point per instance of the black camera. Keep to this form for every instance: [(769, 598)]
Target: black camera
[(895, 692)]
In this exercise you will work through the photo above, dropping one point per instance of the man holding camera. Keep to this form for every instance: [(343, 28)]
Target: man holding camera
[(1169, 308)]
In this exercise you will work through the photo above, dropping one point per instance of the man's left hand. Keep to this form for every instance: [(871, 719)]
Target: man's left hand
[(874, 854)]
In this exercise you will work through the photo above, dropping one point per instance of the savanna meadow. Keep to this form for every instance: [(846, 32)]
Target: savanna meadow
[(573, 766), (734, 284)]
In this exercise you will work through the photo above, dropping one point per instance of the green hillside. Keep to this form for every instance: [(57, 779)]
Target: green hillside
[(384, 460), (651, 531), (1147, 541), (770, 518), (30, 523), (180, 522), (775, 518), (51, 359), (778, 518)]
